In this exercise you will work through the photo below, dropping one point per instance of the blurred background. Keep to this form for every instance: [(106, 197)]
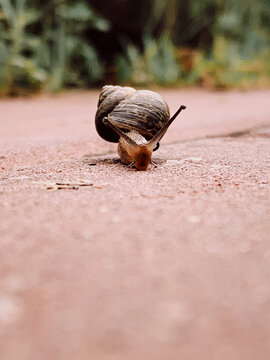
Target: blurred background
[(56, 44)]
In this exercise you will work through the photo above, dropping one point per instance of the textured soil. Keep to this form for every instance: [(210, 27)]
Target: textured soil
[(99, 261)]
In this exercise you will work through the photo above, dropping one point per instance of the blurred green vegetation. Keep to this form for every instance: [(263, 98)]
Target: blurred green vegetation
[(44, 46), (62, 43)]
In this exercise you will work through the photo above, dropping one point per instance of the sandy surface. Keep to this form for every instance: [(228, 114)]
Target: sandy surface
[(172, 263)]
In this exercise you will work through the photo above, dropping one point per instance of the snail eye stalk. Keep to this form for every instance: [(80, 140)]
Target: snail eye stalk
[(109, 123), (159, 135)]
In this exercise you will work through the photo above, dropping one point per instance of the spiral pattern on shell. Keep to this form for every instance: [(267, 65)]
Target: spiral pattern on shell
[(144, 111)]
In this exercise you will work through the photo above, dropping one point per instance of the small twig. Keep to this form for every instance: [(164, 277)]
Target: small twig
[(73, 184), (69, 186)]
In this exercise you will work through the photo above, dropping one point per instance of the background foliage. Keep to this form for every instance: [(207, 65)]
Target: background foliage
[(63, 43)]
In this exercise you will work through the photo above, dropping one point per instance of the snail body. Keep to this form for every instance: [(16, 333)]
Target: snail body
[(136, 119)]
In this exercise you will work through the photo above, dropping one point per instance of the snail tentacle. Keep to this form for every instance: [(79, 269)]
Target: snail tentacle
[(153, 142)]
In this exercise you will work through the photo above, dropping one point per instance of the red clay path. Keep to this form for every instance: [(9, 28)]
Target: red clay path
[(172, 263)]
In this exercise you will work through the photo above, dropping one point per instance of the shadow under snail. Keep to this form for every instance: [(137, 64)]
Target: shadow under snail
[(136, 119)]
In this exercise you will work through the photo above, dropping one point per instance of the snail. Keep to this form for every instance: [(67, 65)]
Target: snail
[(136, 119)]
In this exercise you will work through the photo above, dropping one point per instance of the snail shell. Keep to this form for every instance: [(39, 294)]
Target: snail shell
[(144, 111)]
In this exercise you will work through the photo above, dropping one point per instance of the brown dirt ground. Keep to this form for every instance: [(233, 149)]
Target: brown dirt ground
[(172, 263)]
